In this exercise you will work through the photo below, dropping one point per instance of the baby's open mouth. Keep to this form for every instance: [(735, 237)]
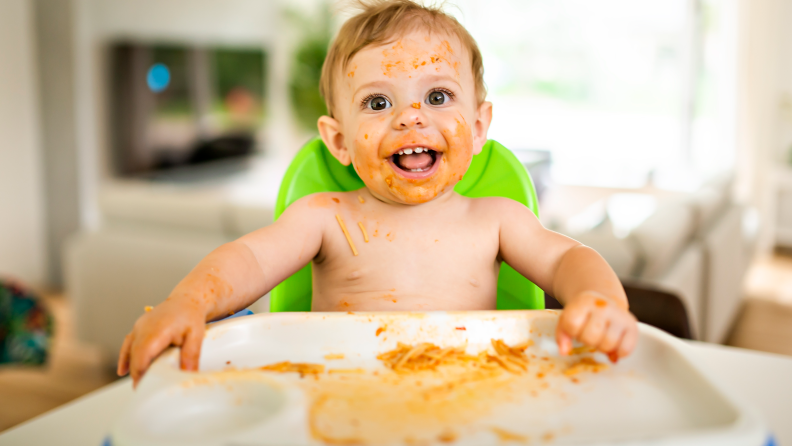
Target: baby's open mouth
[(416, 162)]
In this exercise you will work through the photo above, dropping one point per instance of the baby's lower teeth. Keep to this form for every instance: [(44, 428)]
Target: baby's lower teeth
[(416, 170)]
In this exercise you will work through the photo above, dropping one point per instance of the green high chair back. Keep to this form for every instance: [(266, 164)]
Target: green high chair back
[(493, 172)]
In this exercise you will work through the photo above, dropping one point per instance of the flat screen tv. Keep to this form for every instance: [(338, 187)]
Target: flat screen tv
[(174, 106)]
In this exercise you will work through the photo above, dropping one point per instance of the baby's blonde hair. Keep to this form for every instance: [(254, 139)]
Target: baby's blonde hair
[(380, 22)]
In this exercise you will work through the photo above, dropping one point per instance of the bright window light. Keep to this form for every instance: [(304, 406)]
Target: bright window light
[(616, 90)]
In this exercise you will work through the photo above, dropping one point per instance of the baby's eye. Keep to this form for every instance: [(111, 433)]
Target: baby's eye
[(378, 103), (437, 98)]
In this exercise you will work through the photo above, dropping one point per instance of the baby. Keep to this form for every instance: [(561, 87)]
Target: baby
[(406, 97)]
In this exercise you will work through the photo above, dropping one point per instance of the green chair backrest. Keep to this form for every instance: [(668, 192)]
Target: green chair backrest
[(493, 172)]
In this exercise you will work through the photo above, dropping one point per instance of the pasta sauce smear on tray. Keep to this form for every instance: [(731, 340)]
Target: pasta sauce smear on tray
[(431, 394)]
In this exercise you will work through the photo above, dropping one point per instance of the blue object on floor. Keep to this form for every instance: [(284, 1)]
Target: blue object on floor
[(771, 441)]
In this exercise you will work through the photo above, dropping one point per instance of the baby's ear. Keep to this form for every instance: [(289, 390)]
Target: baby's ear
[(330, 131), (480, 128)]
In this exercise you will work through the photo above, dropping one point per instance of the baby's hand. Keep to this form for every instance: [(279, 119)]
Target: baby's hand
[(167, 324), (599, 322)]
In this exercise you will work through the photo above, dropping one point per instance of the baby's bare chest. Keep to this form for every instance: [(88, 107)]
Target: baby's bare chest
[(360, 239), (401, 261)]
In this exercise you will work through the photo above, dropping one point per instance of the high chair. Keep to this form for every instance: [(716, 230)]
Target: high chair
[(493, 172)]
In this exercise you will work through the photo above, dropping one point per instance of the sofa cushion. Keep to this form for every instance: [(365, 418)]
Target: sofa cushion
[(661, 238), (166, 206), (618, 252)]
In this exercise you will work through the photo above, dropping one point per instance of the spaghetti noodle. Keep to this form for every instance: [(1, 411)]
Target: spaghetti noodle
[(427, 356), (363, 229), (346, 234), (298, 367)]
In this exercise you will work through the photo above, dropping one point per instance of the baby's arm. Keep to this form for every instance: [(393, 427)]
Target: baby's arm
[(228, 279), (595, 306)]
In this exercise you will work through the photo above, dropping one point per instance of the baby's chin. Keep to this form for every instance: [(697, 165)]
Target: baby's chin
[(401, 191), (414, 180)]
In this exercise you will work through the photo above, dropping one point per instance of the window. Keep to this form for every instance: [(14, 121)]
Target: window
[(616, 90)]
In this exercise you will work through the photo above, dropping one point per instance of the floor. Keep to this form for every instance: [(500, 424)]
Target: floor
[(74, 369), (765, 323)]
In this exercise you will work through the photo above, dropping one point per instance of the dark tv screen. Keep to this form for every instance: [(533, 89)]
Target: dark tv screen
[(174, 106)]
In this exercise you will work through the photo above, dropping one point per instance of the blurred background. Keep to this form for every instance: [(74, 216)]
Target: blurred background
[(138, 135)]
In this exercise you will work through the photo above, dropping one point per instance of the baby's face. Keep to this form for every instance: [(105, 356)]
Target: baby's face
[(407, 117)]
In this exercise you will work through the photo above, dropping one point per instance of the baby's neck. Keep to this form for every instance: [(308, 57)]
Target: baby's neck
[(443, 199)]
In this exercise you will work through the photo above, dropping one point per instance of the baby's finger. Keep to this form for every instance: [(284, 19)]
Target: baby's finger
[(629, 341), (564, 342), (612, 338), (123, 356), (573, 320), (143, 352), (191, 348), (594, 330)]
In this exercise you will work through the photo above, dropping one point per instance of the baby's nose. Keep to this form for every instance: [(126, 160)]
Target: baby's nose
[(410, 116)]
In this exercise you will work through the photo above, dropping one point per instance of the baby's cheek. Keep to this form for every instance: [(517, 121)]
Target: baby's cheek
[(366, 159), (460, 153)]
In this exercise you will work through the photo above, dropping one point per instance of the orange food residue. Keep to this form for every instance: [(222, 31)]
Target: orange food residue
[(346, 234), (295, 367), (345, 371), (336, 200), (582, 349), (447, 436), (461, 328), (332, 356), (430, 394), (148, 308), (380, 330), (416, 105), (505, 436), (318, 433), (363, 230), (361, 200), (427, 356), (585, 365), (600, 303)]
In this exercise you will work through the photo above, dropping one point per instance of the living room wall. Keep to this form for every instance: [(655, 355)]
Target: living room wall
[(21, 196)]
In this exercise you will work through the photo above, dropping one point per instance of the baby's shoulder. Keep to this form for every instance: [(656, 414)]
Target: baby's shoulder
[(495, 206), (327, 200)]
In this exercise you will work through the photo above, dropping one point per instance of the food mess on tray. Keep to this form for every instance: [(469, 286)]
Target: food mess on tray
[(432, 394)]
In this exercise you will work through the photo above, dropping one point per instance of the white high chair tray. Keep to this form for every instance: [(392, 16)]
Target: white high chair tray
[(656, 396)]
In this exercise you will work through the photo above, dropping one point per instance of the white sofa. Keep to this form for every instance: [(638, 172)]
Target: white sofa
[(152, 234), (695, 245)]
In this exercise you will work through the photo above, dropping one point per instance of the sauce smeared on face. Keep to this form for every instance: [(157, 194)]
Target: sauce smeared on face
[(453, 152), (410, 147), (406, 54)]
